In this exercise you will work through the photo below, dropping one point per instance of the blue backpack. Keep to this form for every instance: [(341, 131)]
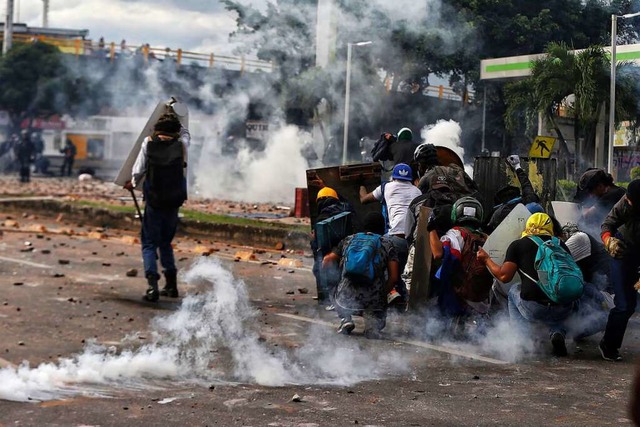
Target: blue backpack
[(560, 278), (361, 257)]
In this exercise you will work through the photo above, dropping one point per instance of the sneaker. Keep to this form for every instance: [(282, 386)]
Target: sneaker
[(346, 326), (392, 296), (559, 346), (330, 307), (609, 354)]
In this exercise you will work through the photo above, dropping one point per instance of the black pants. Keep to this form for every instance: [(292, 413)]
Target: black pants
[(25, 171), (66, 164), (624, 274)]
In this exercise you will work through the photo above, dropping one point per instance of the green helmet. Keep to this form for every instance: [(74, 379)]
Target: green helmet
[(467, 211)]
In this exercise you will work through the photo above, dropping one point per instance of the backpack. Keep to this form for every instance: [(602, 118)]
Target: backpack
[(453, 176), (380, 151), (473, 280), (362, 257), (166, 186), (385, 209), (560, 278)]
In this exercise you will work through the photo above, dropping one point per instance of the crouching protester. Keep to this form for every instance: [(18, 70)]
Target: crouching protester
[(463, 282), (329, 204), (370, 269), (621, 237), (161, 163), (551, 281)]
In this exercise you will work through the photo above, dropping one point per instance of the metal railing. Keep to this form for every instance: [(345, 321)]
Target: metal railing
[(113, 52)]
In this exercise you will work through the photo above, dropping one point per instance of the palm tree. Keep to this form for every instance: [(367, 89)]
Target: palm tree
[(578, 82)]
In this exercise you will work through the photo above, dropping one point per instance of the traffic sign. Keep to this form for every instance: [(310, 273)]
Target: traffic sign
[(542, 147)]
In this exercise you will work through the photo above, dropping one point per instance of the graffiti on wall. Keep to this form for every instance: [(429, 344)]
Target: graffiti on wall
[(624, 160)]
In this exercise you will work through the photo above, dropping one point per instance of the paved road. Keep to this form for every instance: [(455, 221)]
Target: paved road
[(247, 339)]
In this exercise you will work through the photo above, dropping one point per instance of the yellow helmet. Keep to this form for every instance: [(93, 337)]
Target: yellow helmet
[(327, 192)]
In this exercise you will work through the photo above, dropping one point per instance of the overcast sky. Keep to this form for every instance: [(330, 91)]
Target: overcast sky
[(194, 25)]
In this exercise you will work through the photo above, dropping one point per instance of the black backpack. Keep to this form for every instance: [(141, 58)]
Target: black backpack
[(166, 184), (380, 151)]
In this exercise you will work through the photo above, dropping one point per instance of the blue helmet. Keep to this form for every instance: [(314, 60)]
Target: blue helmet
[(402, 171)]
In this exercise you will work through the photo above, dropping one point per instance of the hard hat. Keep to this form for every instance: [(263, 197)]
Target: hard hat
[(405, 134), (327, 192)]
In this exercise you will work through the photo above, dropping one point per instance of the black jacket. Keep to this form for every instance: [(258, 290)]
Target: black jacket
[(624, 219)]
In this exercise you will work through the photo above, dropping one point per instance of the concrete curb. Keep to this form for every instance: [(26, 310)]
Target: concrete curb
[(104, 217)]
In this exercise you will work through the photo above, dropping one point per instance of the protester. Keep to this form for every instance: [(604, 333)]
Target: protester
[(161, 163), (442, 182), (590, 255), (509, 196), (370, 268), (528, 302), (24, 153), (69, 152), (621, 237), (395, 197), (329, 204), (395, 148), (596, 194), (463, 282)]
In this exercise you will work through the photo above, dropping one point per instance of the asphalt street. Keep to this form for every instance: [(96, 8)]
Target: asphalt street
[(249, 345)]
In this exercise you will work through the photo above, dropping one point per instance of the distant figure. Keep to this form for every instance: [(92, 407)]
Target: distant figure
[(38, 148), (123, 46), (101, 43), (24, 153), (69, 151)]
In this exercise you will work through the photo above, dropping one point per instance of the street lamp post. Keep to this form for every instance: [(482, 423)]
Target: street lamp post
[(345, 135), (612, 88)]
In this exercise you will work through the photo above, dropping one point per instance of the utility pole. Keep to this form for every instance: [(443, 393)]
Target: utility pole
[(8, 28), (45, 13)]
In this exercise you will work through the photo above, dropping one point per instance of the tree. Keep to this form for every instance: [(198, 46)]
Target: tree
[(578, 82), (34, 81)]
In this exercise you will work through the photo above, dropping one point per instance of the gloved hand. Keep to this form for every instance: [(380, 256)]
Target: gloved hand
[(514, 161), (437, 221), (615, 247), (389, 137)]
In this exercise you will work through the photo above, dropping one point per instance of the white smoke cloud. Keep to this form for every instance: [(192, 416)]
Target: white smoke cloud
[(447, 133), (193, 345)]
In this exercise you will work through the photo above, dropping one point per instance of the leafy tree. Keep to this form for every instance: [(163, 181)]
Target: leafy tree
[(578, 82), (34, 81)]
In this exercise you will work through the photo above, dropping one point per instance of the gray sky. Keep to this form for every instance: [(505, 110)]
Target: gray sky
[(194, 25)]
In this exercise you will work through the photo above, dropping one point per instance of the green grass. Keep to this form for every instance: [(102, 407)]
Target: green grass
[(199, 216)]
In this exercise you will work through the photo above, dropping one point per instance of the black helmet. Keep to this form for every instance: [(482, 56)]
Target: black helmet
[(467, 210), (425, 151)]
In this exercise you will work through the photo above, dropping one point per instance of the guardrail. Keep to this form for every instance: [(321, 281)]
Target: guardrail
[(113, 52)]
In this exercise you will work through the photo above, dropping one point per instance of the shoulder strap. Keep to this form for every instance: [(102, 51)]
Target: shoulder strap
[(538, 241), (530, 278)]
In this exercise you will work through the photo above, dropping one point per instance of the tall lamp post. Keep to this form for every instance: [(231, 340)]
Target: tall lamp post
[(345, 136), (612, 88)]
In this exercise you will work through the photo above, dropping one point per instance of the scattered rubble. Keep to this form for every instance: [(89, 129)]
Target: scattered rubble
[(132, 272)]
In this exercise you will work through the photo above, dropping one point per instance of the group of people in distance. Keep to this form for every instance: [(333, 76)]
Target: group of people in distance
[(570, 280)]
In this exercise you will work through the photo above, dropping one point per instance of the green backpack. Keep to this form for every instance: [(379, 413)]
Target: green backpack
[(560, 278)]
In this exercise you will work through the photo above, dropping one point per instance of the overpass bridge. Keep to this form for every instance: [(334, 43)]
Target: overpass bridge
[(73, 42)]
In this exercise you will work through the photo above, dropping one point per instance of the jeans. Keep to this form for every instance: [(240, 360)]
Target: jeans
[(624, 274), (521, 312), (590, 314), (327, 279), (401, 246), (158, 228)]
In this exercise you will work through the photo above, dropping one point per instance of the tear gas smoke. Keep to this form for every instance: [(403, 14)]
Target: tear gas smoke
[(193, 345), (446, 133)]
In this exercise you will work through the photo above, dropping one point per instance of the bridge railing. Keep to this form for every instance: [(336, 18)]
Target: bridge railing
[(113, 51)]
